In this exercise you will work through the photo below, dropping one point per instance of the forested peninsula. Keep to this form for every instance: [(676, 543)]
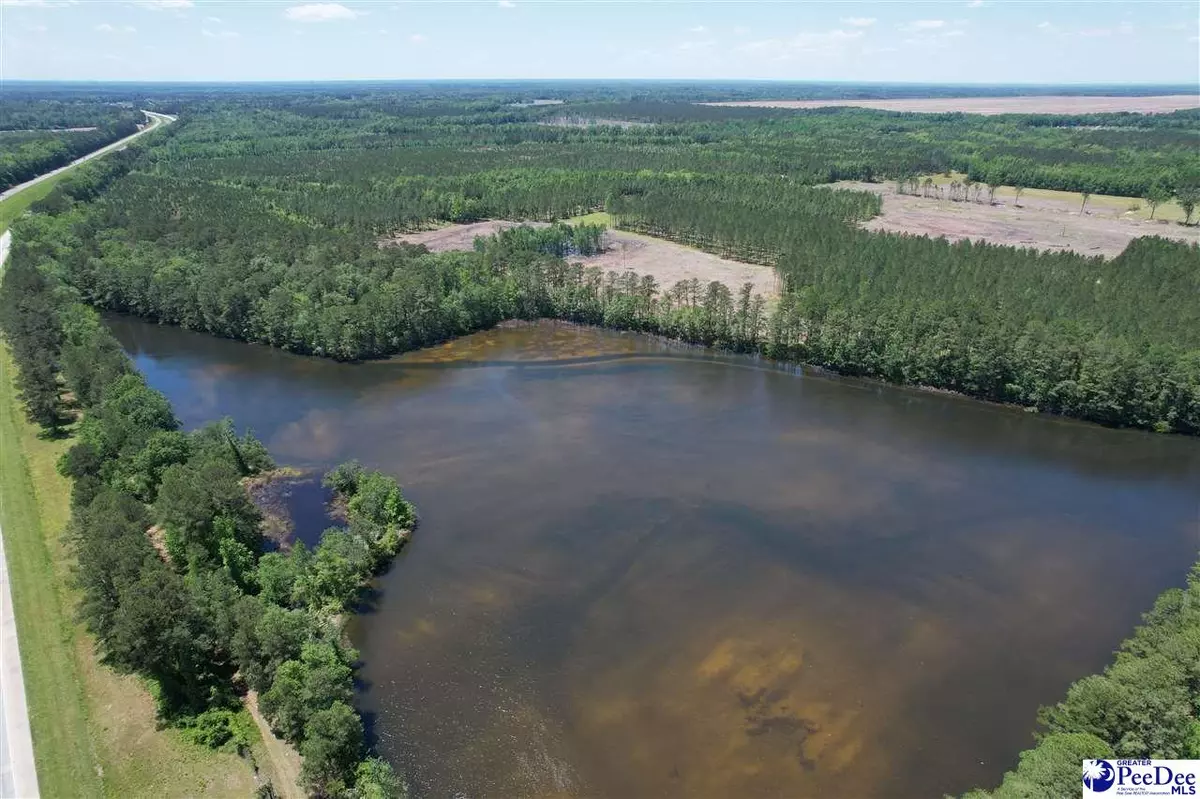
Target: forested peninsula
[(177, 582)]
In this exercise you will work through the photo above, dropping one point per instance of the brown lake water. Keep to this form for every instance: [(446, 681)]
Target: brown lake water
[(646, 571)]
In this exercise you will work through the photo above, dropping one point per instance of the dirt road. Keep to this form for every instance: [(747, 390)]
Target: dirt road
[(284, 762)]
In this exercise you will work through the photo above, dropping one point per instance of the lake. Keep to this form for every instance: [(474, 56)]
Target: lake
[(647, 570)]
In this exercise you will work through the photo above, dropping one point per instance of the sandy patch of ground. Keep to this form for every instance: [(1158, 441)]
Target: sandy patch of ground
[(1043, 220), (666, 261), (1048, 104), (592, 122), (670, 263), (456, 237)]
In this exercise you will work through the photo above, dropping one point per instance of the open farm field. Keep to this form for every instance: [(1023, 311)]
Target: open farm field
[(991, 106), (667, 262), (1043, 219)]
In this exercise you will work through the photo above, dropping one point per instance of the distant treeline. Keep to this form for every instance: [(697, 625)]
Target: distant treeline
[(24, 156), (191, 94), (174, 579), (37, 111), (354, 146), (1145, 705)]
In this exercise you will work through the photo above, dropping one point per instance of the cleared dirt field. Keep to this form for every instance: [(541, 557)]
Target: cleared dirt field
[(1049, 104), (666, 261), (457, 237), (1044, 220), (670, 263)]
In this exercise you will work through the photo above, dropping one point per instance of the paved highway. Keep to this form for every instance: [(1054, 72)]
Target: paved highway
[(18, 773), (155, 121)]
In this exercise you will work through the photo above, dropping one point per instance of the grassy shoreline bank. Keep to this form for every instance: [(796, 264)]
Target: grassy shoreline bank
[(95, 732)]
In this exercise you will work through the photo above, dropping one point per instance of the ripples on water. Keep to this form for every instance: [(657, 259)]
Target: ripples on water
[(643, 572)]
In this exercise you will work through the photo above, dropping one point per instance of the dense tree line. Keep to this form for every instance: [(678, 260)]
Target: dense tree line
[(37, 111), (1146, 704), (1115, 342), (751, 221), (174, 580), (360, 142), (23, 157), (508, 91)]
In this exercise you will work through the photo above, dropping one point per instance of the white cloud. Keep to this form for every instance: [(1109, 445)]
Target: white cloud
[(214, 20), (506, 4), (211, 34), (697, 45), (1123, 29), (859, 22), (38, 3), (924, 25), (1045, 25), (952, 34), (803, 42), (320, 12), (417, 38), (36, 28), (975, 4), (162, 5), (104, 27), (697, 29), (741, 30)]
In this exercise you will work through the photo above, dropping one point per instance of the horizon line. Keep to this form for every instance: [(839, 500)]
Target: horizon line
[(1191, 88)]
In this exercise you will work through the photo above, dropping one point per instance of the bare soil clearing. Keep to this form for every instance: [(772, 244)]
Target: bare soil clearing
[(456, 237), (1048, 104), (670, 263), (1043, 220), (666, 261), (593, 122)]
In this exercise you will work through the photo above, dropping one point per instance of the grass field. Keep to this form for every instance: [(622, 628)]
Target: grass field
[(14, 206), (1131, 206), (66, 759), (94, 731), (594, 218)]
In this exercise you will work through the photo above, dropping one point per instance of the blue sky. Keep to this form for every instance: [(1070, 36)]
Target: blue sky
[(964, 41)]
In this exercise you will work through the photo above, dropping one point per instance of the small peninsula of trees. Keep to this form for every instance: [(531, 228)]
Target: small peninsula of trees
[(174, 579)]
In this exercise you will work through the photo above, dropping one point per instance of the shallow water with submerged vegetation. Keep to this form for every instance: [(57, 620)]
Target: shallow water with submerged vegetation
[(648, 570)]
